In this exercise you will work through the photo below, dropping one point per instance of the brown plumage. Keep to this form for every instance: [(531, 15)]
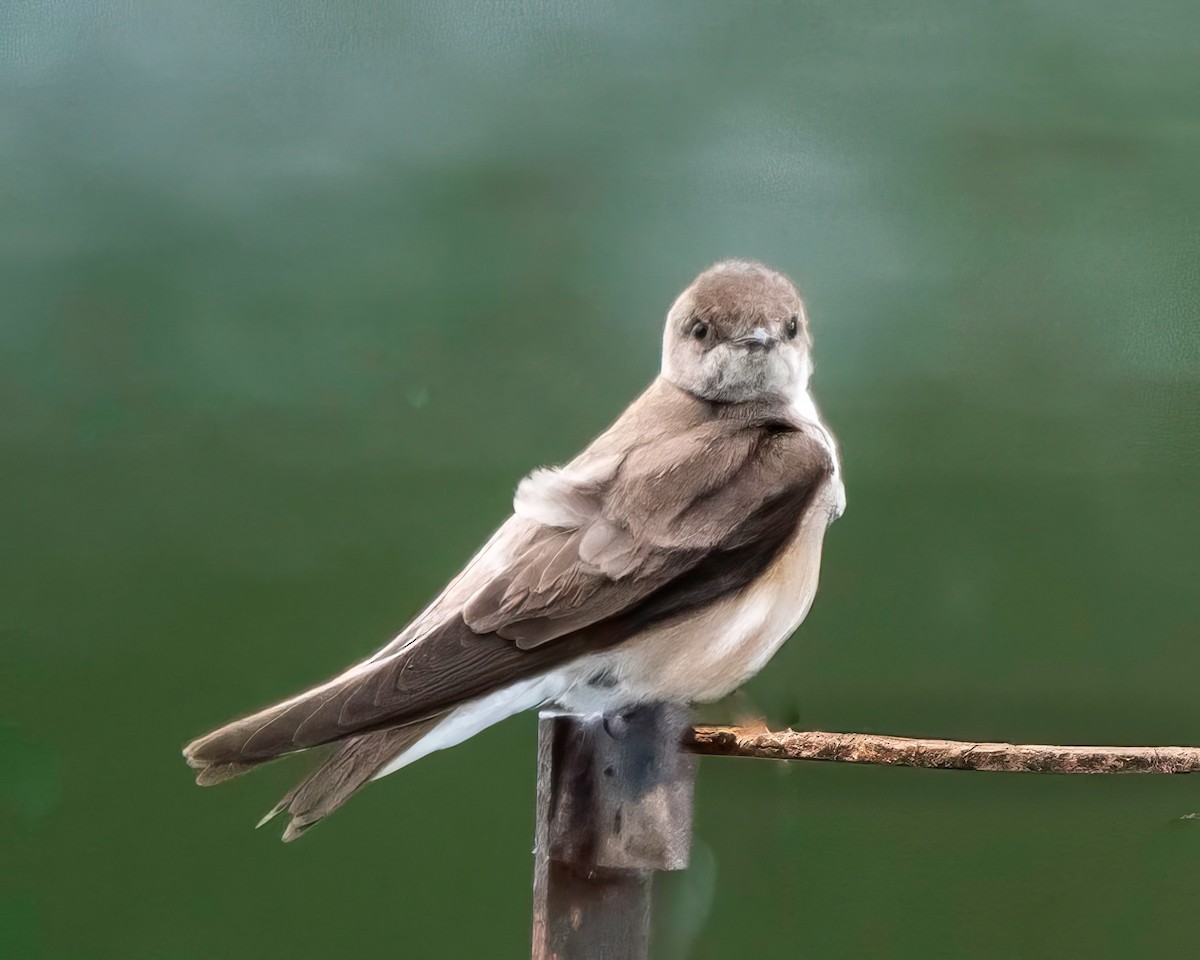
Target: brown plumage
[(678, 507)]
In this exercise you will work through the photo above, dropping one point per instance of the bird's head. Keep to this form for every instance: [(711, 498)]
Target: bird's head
[(738, 333)]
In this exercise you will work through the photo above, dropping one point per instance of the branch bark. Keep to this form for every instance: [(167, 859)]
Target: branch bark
[(945, 754)]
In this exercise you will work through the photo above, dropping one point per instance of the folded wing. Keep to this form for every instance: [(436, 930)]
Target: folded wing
[(597, 550)]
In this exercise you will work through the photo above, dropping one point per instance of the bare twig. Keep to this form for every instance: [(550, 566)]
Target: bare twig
[(946, 754)]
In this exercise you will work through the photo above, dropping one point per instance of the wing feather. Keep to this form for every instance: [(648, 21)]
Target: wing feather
[(667, 506)]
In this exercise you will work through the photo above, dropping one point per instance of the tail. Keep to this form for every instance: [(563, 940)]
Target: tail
[(355, 762), (292, 726), (237, 747), (360, 755)]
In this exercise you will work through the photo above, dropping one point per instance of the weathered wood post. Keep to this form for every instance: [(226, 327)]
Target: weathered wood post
[(614, 804)]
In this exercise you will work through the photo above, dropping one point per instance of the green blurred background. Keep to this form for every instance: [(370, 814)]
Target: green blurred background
[(294, 293)]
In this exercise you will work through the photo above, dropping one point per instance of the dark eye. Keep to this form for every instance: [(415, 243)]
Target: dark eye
[(792, 328), (699, 329)]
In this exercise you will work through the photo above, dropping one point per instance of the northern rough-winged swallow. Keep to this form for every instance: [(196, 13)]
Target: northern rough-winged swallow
[(668, 561)]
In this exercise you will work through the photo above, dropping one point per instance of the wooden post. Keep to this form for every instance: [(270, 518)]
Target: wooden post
[(614, 804)]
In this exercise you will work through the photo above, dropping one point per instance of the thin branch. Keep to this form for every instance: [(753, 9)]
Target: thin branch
[(946, 754)]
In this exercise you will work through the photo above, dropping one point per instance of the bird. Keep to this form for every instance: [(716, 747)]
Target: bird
[(667, 562)]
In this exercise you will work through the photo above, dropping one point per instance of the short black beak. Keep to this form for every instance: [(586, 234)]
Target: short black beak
[(759, 340)]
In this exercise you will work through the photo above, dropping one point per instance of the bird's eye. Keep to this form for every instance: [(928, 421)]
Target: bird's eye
[(699, 329), (793, 327)]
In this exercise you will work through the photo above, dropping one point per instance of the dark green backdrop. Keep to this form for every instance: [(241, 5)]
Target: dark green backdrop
[(294, 293)]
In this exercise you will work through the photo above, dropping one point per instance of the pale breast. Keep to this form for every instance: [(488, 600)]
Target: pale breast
[(711, 653)]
